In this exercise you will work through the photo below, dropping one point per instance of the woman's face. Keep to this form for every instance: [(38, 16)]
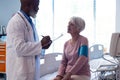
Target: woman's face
[(72, 29)]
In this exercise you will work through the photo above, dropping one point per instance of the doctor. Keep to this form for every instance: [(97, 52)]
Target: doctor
[(23, 46)]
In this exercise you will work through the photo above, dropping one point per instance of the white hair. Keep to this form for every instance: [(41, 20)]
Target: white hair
[(79, 22)]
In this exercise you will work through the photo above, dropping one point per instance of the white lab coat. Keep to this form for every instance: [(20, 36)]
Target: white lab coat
[(21, 49)]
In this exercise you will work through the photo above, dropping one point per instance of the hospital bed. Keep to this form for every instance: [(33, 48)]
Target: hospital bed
[(49, 65)]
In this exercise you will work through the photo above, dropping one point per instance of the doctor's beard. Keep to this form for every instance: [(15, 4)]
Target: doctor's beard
[(32, 14)]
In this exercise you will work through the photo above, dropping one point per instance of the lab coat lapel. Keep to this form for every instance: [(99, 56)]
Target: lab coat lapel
[(28, 25)]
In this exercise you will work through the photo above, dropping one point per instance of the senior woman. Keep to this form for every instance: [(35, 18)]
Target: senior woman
[(74, 64)]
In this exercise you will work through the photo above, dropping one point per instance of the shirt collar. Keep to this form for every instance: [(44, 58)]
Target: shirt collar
[(28, 18)]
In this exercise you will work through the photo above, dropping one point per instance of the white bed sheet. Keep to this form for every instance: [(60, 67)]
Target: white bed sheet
[(96, 63)]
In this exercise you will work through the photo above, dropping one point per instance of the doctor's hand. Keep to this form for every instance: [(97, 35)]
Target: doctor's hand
[(46, 42)]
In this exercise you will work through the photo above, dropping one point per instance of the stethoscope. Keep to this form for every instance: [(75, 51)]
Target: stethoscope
[(24, 21)]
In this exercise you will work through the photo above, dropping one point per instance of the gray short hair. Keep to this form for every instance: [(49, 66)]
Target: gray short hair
[(79, 22)]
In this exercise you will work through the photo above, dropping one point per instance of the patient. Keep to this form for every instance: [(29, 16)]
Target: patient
[(74, 64)]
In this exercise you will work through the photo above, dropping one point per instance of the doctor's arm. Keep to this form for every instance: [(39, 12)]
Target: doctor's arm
[(21, 40)]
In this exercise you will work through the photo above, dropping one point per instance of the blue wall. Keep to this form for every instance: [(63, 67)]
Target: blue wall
[(7, 9)]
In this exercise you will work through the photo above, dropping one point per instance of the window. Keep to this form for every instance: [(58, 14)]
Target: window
[(105, 21), (52, 19)]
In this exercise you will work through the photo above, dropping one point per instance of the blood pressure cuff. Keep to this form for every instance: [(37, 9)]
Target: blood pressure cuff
[(83, 50)]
